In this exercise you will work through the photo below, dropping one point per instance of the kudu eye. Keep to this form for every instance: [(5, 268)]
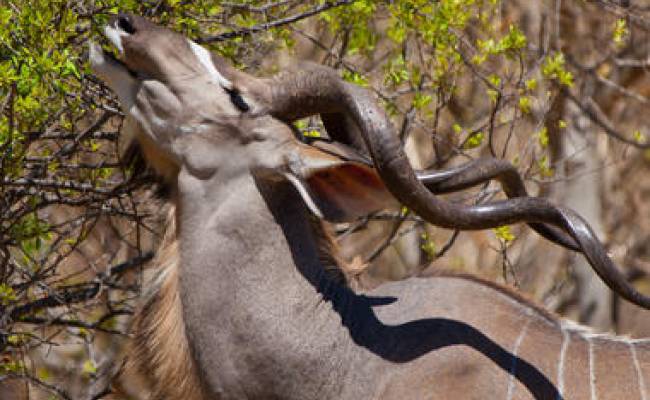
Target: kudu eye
[(124, 22), (238, 101)]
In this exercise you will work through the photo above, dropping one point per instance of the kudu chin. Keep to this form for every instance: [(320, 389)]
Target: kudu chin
[(252, 301)]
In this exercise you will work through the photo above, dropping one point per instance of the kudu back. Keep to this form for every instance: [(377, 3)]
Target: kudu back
[(251, 301)]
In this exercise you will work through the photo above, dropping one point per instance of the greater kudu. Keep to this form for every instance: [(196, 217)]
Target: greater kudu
[(246, 306)]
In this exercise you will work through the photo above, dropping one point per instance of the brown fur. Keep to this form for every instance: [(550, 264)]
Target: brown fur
[(340, 269), (160, 349), (507, 291), (136, 146)]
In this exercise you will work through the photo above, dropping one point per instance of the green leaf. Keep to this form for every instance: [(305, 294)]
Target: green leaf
[(493, 95), (542, 137), (355, 78), (494, 80), (70, 68), (639, 137), (313, 133), (544, 167), (504, 233), (553, 68), (421, 100), (428, 246), (620, 32), (14, 339), (11, 366), (474, 141), (89, 368), (515, 40), (531, 84), (525, 104), (7, 294)]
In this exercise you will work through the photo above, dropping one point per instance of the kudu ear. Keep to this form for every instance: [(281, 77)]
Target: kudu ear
[(336, 187)]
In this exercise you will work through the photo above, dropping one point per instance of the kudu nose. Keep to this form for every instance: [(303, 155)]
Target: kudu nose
[(124, 22)]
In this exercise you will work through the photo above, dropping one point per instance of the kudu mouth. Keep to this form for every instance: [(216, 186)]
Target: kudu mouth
[(119, 26), (124, 26)]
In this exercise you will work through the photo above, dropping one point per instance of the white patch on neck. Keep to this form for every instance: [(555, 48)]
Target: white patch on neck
[(304, 193), (204, 57), (114, 34)]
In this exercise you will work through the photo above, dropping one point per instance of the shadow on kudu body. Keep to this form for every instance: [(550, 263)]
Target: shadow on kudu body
[(405, 342), (266, 320), (248, 303)]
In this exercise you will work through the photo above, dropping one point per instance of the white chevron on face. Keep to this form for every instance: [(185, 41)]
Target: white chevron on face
[(204, 57)]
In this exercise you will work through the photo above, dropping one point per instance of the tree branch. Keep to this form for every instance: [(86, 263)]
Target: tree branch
[(266, 26)]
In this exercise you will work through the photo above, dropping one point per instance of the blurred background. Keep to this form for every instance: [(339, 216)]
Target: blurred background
[(559, 88)]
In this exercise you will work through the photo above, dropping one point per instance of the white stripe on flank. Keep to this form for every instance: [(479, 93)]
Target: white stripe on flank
[(513, 366), (566, 339), (639, 373), (592, 371), (204, 57)]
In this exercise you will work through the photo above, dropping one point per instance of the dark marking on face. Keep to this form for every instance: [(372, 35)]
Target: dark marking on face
[(124, 22), (238, 101)]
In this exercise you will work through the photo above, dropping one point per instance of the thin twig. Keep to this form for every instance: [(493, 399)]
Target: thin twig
[(593, 111), (273, 24)]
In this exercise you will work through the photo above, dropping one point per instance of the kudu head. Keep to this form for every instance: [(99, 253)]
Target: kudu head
[(191, 111)]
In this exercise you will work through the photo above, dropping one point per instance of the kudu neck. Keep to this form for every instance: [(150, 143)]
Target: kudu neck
[(249, 260), (267, 221)]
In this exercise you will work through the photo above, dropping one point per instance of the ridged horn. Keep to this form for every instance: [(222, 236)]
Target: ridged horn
[(315, 89)]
